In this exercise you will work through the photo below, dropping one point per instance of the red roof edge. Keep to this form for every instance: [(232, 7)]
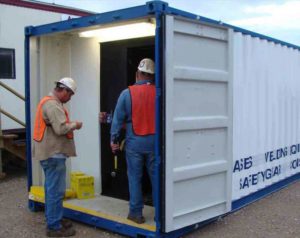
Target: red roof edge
[(45, 7)]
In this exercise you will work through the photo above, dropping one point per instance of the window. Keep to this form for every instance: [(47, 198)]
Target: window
[(7, 64)]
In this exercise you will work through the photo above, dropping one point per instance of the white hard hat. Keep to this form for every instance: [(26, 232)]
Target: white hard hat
[(146, 65), (69, 83)]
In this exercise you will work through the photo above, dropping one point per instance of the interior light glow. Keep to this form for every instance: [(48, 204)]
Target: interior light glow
[(129, 31)]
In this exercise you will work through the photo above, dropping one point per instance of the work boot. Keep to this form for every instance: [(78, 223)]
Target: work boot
[(62, 232), (136, 219), (66, 223)]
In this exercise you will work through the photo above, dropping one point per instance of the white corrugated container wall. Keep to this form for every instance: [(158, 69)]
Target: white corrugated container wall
[(266, 110)]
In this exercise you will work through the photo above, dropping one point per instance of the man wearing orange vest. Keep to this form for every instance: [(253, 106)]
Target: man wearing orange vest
[(136, 108), (53, 144)]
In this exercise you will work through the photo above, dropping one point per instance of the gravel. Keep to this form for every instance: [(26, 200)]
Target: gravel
[(277, 215)]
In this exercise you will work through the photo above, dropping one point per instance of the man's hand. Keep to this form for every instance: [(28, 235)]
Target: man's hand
[(78, 125), (102, 117), (114, 147)]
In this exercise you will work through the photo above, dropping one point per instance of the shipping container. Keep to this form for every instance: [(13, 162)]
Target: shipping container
[(227, 110)]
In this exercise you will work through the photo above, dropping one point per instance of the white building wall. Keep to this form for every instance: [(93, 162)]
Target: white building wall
[(13, 19)]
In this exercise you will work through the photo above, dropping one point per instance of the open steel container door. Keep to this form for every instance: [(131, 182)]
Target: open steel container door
[(198, 122)]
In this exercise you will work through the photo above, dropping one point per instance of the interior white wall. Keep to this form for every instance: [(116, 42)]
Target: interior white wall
[(54, 57), (34, 99), (85, 106)]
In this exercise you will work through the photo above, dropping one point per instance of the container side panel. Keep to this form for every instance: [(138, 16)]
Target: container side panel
[(206, 145), (200, 182), (216, 59), (186, 91), (198, 122), (266, 114)]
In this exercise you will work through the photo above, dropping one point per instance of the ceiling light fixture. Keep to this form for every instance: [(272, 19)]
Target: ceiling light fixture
[(129, 31)]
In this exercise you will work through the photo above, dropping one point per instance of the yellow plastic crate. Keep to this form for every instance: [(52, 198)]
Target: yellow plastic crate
[(83, 186), (76, 173), (73, 176)]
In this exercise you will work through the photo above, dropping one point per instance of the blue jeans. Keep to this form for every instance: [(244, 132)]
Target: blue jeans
[(135, 163), (55, 186)]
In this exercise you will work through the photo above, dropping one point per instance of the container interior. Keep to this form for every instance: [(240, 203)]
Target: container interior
[(101, 70)]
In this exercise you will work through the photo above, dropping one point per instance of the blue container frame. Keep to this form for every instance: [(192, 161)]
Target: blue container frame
[(156, 9)]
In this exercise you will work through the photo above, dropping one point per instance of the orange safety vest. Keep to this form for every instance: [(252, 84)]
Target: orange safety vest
[(40, 124), (143, 109)]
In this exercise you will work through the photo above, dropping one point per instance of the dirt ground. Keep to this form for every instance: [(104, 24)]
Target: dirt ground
[(278, 215)]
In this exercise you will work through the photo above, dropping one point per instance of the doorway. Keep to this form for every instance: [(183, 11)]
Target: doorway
[(119, 61)]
